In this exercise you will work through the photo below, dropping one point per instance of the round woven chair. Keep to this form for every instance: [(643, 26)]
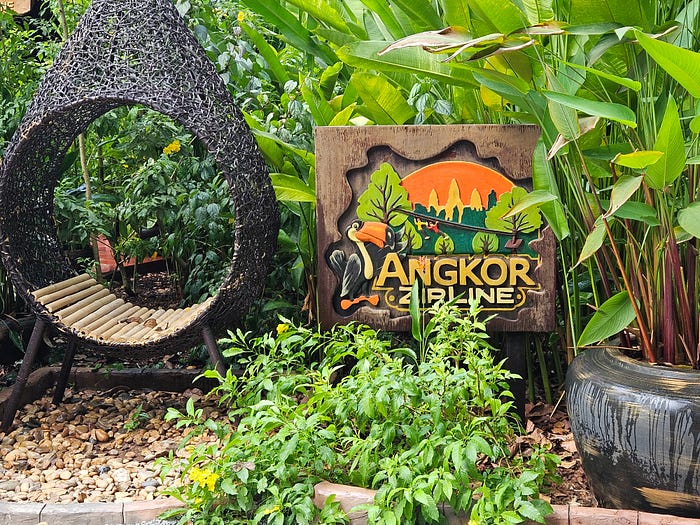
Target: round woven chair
[(127, 52)]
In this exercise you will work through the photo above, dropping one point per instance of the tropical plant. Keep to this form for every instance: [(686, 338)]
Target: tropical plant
[(422, 433), (600, 83)]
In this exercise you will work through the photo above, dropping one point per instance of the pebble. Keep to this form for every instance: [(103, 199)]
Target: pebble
[(80, 452)]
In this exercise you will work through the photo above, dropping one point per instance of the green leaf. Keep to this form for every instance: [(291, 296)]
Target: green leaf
[(689, 219), (511, 88), (329, 78), (637, 160), (496, 16), (529, 511), (625, 12), (682, 64), (503, 83), (291, 188), (638, 211), (410, 60), (342, 118), (421, 12), (324, 12), (538, 10), (228, 487), (382, 102), (594, 241), (608, 110), (289, 447), (543, 179), (457, 12), (671, 143), (622, 190), (532, 199), (320, 109), (634, 85), (528, 476), (613, 316), (382, 9), (564, 117), (414, 309), (290, 29), (428, 506), (268, 53)]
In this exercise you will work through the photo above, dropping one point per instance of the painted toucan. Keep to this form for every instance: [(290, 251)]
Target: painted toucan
[(372, 242)]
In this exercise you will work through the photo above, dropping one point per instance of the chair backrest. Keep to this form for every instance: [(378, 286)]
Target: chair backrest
[(127, 52)]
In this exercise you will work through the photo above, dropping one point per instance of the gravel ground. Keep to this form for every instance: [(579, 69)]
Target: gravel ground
[(95, 447)]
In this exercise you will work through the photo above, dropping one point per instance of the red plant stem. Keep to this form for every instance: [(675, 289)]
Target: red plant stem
[(687, 331), (668, 336), (691, 273), (691, 256), (647, 349)]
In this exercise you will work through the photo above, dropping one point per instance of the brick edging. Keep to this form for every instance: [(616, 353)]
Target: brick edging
[(349, 497), (122, 513)]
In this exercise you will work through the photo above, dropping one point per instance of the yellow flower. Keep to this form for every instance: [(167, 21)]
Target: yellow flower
[(204, 477), (282, 328), (241, 16), (271, 510), (473, 522), (173, 147), (210, 482)]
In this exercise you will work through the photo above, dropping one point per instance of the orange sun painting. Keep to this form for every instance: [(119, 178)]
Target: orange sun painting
[(434, 185)]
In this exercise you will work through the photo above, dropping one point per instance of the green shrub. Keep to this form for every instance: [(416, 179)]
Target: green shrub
[(421, 432)]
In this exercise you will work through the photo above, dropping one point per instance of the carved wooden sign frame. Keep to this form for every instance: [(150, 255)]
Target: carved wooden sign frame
[(398, 204), (21, 7)]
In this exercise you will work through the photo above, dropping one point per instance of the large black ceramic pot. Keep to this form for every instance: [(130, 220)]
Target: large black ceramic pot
[(637, 428)]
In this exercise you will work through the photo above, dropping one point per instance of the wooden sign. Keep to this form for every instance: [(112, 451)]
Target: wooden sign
[(400, 204), (21, 7)]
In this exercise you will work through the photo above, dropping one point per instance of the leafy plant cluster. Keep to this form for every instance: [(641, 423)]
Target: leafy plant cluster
[(422, 431), (151, 176), (27, 50)]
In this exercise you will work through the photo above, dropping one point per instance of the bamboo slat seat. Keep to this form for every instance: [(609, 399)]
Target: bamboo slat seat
[(84, 305)]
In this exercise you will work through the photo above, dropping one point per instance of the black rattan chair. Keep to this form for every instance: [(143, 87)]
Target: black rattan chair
[(127, 52)]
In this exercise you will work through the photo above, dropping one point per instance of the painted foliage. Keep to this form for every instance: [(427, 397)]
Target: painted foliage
[(447, 224)]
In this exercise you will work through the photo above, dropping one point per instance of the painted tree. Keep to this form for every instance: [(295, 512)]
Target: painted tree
[(444, 245), (485, 243), (526, 221), (383, 201)]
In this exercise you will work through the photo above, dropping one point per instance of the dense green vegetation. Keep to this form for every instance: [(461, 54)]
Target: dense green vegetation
[(613, 86), (421, 429)]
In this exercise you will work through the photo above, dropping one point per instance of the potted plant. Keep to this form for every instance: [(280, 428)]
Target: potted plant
[(635, 409)]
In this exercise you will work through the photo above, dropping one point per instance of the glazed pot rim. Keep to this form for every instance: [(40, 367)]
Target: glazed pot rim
[(631, 373)]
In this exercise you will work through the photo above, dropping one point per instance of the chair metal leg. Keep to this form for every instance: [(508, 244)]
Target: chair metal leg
[(65, 371), (214, 354), (29, 357)]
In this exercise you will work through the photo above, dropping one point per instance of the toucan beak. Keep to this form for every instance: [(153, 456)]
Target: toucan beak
[(374, 232)]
